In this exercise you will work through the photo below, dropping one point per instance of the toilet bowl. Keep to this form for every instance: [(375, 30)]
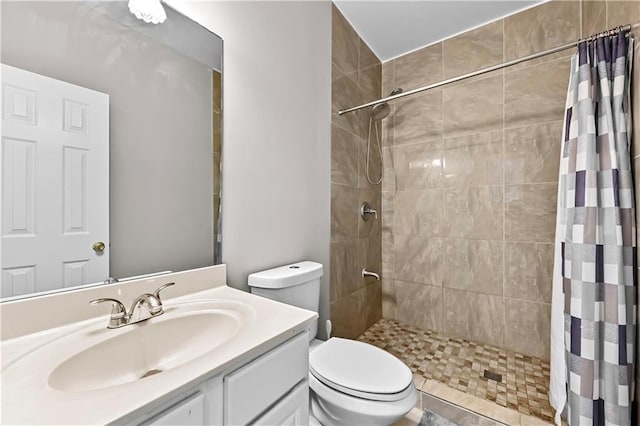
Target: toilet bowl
[(354, 383), (351, 382)]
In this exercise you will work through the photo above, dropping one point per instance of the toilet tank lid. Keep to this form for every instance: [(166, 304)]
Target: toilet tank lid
[(286, 276)]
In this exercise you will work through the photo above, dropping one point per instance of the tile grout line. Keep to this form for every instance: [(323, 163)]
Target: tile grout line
[(340, 126), (393, 219), (504, 192), (345, 74), (481, 133), (471, 134), (442, 192), (541, 302), (581, 23), (537, 123), (470, 187)]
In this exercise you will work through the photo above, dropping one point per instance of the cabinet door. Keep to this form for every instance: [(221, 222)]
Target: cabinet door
[(292, 410), (189, 412), (253, 388)]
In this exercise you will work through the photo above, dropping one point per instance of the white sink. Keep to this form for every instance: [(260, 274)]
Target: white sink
[(144, 350), (100, 358)]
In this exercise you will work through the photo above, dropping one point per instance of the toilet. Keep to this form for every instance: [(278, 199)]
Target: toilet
[(351, 382)]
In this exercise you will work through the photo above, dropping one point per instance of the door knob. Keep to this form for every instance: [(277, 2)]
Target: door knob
[(98, 247)]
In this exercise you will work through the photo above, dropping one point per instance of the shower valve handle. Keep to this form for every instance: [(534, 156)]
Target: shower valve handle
[(366, 210)]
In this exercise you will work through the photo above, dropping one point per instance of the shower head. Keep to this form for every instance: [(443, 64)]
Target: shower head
[(381, 110)]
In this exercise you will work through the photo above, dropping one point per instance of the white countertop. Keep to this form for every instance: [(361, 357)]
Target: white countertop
[(27, 397)]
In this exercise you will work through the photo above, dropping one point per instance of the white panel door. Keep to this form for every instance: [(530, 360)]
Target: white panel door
[(54, 174)]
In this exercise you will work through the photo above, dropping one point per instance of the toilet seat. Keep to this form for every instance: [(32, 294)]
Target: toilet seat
[(360, 370), (331, 407)]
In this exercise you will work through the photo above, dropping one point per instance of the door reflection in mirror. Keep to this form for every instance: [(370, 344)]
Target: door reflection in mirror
[(144, 99)]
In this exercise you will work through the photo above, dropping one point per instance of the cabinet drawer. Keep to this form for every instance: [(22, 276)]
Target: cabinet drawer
[(251, 389), (292, 410)]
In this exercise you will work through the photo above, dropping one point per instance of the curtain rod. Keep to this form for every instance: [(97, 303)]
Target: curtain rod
[(612, 31)]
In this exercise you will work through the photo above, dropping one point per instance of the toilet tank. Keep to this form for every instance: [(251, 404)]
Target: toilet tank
[(297, 284)]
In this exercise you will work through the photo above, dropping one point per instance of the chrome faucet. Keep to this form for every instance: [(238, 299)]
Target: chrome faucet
[(145, 306)]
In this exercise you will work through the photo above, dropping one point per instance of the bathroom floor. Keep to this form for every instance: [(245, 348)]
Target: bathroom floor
[(462, 365), (433, 411)]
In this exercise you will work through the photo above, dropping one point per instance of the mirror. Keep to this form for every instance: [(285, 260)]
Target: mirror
[(111, 142)]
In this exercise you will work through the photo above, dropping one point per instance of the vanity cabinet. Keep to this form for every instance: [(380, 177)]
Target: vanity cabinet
[(189, 412), (271, 389), (254, 387), (292, 410)]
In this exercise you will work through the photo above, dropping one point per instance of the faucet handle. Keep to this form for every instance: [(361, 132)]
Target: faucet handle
[(159, 289), (366, 210), (118, 311), (118, 308)]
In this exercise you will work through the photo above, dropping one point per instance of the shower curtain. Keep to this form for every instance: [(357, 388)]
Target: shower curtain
[(593, 320)]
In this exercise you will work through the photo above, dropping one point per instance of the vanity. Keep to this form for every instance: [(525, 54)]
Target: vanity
[(216, 356)]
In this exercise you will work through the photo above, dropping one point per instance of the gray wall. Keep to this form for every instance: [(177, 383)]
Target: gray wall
[(277, 146), (161, 171)]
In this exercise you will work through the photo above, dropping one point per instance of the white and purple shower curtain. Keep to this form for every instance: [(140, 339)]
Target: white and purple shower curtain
[(593, 321)]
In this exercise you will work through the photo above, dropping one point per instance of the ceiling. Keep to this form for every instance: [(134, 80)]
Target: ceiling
[(394, 27)]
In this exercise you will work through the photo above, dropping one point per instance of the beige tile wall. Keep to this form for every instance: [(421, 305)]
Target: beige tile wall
[(469, 199), (356, 78)]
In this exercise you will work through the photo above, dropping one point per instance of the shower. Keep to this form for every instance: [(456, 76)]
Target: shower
[(378, 113)]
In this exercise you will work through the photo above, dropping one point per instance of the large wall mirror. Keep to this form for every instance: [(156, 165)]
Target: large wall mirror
[(111, 142)]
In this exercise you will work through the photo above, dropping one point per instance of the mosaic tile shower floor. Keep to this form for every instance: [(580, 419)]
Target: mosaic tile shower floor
[(461, 364)]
